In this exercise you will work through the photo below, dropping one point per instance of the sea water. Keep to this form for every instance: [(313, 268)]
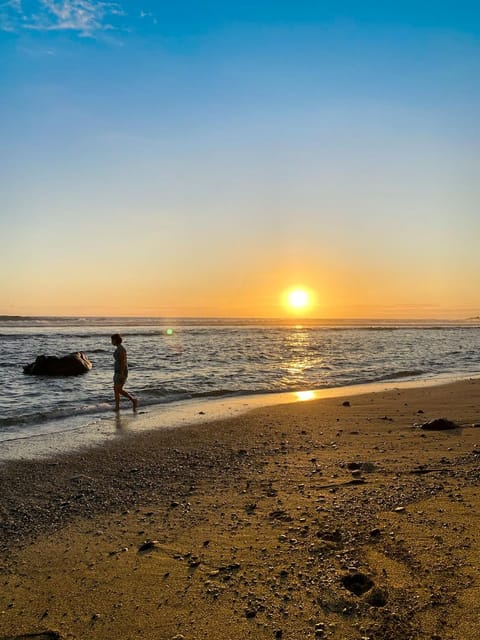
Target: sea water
[(175, 361)]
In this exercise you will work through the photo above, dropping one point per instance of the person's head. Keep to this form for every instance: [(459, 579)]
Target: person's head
[(117, 339)]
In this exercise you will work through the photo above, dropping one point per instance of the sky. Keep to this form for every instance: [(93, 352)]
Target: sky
[(201, 158)]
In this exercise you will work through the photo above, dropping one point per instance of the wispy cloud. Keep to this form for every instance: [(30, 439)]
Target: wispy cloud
[(9, 14), (86, 17), (148, 15)]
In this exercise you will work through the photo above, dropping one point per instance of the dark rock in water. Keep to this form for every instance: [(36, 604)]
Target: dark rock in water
[(439, 424), (346, 404), (70, 365), (357, 583)]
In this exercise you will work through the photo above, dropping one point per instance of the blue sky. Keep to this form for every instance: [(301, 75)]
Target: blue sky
[(203, 156)]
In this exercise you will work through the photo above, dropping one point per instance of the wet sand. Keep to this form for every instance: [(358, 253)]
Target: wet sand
[(308, 520)]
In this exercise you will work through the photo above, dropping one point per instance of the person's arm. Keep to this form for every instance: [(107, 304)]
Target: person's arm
[(123, 360)]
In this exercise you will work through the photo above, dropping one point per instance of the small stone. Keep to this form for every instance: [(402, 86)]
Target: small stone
[(194, 563), (148, 545), (439, 424), (346, 404), (353, 466), (399, 509)]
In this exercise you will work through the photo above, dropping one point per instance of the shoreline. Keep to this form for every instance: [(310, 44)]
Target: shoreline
[(104, 429)]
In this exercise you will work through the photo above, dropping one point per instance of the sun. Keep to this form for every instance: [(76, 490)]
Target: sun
[(298, 299)]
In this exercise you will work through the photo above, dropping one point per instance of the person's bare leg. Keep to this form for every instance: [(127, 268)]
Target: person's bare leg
[(117, 389), (132, 399)]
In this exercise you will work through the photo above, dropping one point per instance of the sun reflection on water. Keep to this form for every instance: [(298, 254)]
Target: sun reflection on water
[(305, 395)]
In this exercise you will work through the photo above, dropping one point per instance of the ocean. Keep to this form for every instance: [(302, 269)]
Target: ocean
[(177, 360)]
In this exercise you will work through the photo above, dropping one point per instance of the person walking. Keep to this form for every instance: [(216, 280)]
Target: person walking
[(120, 373)]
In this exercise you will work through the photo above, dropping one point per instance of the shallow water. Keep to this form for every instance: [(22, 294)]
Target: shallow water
[(177, 361)]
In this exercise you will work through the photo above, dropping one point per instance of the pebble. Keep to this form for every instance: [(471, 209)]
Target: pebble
[(148, 545)]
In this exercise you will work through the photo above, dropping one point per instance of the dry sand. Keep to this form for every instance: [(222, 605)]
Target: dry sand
[(309, 520)]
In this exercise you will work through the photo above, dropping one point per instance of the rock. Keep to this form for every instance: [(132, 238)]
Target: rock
[(280, 514), (346, 404), (70, 365), (149, 545), (193, 563), (353, 466), (438, 424)]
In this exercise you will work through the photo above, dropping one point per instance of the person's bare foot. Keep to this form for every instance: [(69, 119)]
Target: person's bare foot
[(135, 404)]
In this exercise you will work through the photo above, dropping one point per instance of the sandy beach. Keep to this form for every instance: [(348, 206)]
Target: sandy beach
[(337, 518)]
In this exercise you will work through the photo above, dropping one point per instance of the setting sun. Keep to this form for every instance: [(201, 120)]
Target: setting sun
[(298, 299)]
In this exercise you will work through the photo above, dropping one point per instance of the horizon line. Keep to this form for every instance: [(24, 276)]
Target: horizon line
[(243, 318)]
